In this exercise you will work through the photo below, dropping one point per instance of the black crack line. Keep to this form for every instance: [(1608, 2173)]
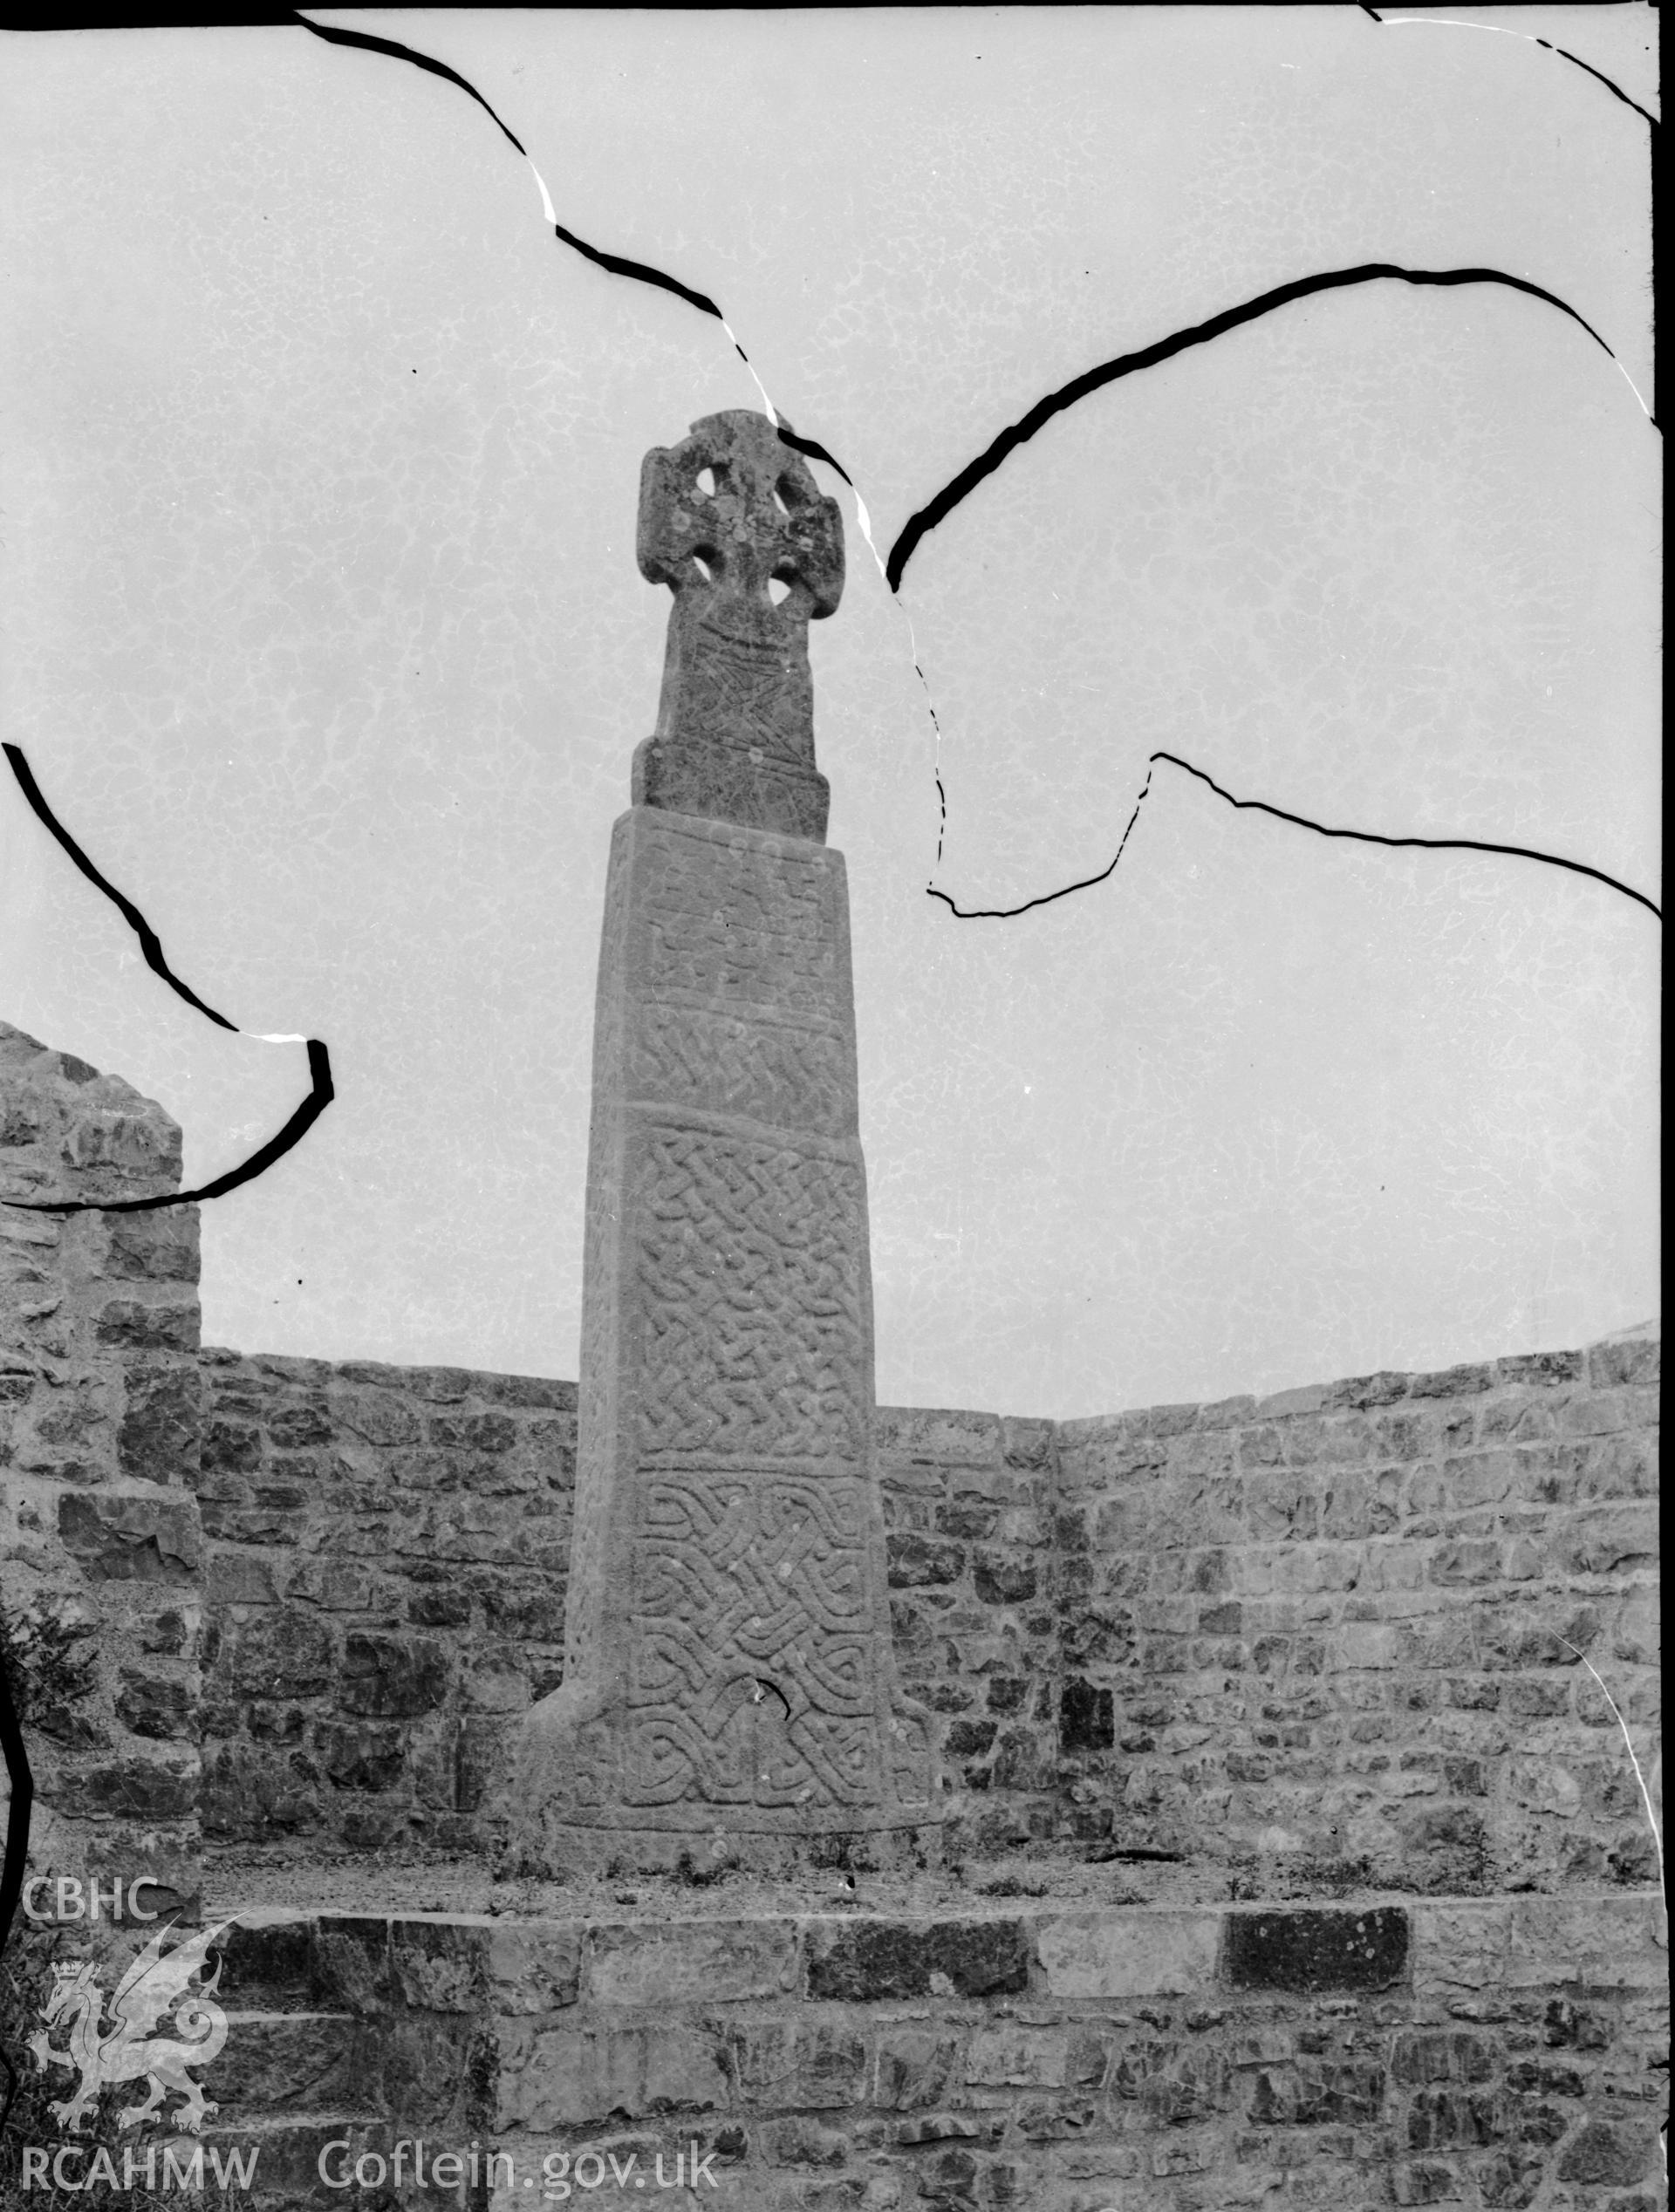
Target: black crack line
[(16, 1859), (1427, 845), (1165, 349), (319, 1098), (1563, 52), (150, 945), (1302, 822), (321, 1092), (334, 37), (1006, 913), (614, 263)]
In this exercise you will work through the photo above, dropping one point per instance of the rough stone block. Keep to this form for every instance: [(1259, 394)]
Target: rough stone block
[(1018, 2056), (1618, 1943), (282, 1653), (126, 1324), (861, 1960), (533, 1968), (568, 2077), (717, 1961), (392, 1675), (1313, 1950), (158, 1438), (1126, 1953), (130, 1535), (914, 2066)]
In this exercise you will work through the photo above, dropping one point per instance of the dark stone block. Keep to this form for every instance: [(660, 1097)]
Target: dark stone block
[(1086, 1718), (536, 1613), (1349, 2096), (476, 1749), (969, 1739), (392, 1675), (1568, 2027), (149, 1328), (870, 1959), (473, 1432), (915, 1560), (284, 1653), (268, 1968), (158, 1438), (164, 1632), (153, 1705), (968, 1520), (360, 1757), (432, 1607), (139, 1789), (132, 1538), (231, 1447), (294, 1427), (999, 1580), (1600, 2153), (1443, 2117), (159, 1247), (1317, 1950)]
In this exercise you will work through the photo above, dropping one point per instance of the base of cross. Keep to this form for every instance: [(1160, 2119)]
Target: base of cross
[(582, 1790), (554, 1850), (736, 783)]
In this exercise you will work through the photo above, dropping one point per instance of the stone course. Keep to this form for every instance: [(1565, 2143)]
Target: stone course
[(1340, 1633), (1281, 1668), (386, 1551), (1109, 2058)]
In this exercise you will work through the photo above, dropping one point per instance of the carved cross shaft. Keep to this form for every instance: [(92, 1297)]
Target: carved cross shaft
[(725, 517)]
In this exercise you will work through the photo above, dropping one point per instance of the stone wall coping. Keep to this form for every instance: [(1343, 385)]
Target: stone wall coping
[(1559, 1918)]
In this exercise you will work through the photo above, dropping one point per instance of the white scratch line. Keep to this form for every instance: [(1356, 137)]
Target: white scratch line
[(547, 207), (259, 1037)]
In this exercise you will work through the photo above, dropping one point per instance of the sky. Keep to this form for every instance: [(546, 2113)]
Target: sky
[(322, 634)]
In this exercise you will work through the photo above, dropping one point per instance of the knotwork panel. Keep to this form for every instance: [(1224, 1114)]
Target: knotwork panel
[(754, 1679), (747, 1261), (769, 1071), (728, 921)]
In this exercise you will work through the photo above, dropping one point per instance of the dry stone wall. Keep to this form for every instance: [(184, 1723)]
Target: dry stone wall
[(1490, 2053), (1354, 1635), (386, 1551), (100, 1543), (1336, 1640)]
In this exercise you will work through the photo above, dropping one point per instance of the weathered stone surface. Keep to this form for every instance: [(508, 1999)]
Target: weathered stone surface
[(392, 1675), (553, 2077), (1317, 1950), (715, 1961), (728, 1662), (130, 1535), (867, 1959), (1122, 1955), (722, 515), (534, 1969)]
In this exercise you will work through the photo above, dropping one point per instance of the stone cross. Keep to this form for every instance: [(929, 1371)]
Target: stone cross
[(728, 1661), (724, 517)]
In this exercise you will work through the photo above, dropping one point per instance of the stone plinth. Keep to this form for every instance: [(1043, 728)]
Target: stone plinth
[(1068, 2054), (727, 1659)]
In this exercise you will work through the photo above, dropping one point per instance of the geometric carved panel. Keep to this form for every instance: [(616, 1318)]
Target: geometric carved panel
[(768, 940), (747, 1265), (752, 1679), (745, 1063)]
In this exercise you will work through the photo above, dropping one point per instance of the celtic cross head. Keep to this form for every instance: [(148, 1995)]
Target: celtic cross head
[(733, 521)]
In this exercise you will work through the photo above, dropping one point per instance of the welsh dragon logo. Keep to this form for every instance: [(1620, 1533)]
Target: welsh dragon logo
[(157, 1983)]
